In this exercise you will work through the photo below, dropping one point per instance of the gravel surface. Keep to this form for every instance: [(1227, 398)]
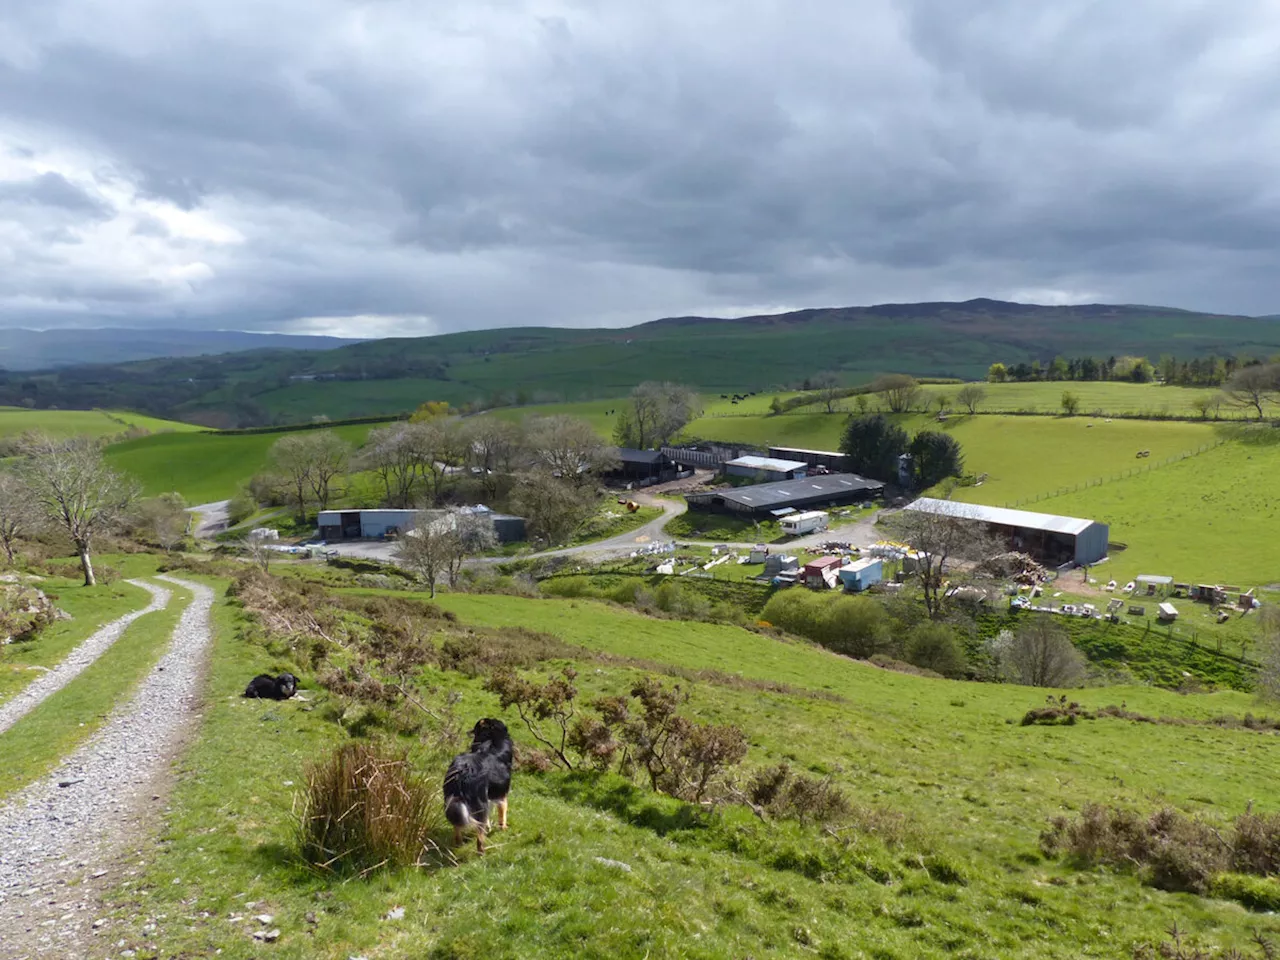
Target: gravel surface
[(67, 826), (77, 660)]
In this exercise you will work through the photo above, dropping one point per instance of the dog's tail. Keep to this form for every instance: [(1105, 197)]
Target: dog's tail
[(457, 812)]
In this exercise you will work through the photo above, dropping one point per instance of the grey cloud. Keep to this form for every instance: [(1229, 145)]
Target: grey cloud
[(486, 164), (56, 191)]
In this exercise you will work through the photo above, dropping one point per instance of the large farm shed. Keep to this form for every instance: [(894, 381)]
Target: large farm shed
[(832, 460), (777, 499), (641, 467), (766, 468), (1049, 538)]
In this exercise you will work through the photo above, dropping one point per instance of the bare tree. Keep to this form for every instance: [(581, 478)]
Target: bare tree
[(474, 534), (1254, 386), (493, 448), (939, 539), (1207, 404), (389, 453), (898, 391), (438, 447), (568, 448), (655, 413), (554, 508), (164, 519), (290, 459), (330, 455), (259, 552), (19, 512), (826, 387), (970, 395), (429, 549), (76, 489), (1040, 654)]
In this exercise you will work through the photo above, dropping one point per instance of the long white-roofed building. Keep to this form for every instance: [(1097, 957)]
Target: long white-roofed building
[(1048, 537)]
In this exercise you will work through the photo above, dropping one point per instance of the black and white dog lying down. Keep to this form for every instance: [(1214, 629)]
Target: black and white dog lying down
[(267, 687), (478, 778)]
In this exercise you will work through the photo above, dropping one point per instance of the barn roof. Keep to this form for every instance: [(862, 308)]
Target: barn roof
[(1005, 517)]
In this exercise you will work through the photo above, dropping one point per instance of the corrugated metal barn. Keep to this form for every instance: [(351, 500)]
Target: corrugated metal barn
[(767, 499), (1047, 537)]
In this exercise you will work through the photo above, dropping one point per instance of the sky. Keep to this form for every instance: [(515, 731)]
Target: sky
[(399, 167)]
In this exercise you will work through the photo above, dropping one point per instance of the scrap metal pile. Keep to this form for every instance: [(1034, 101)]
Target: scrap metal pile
[(1018, 567)]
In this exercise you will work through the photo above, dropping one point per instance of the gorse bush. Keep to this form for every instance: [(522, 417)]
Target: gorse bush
[(364, 809), (1171, 851)]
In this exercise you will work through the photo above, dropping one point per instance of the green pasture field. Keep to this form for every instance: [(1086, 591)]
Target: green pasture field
[(1105, 397), (204, 467), (1212, 518), (34, 744), (88, 423), (341, 399), (89, 609), (974, 788)]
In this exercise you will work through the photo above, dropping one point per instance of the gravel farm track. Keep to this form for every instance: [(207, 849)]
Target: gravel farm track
[(62, 838), (31, 696)]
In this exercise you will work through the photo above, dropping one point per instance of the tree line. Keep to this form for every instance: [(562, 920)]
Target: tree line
[(1208, 371)]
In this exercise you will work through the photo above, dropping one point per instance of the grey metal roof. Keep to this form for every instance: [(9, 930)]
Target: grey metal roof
[(752, 462), (629, 455), (764, 495), (1048, 522)]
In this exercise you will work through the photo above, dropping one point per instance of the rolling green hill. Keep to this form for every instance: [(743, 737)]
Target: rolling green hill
[(86, 423), (524, 364)]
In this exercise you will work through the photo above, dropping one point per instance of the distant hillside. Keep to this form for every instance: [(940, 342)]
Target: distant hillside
[(518, 365), (48, 349)]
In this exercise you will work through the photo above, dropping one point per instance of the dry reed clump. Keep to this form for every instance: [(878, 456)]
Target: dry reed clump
[(364, 809)]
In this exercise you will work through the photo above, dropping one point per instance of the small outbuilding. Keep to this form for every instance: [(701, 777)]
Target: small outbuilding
[(823, 573), (766, 469), (825, 461), (860, 574), (364, 524), (640, 468), (776, 563), (1168, 612)]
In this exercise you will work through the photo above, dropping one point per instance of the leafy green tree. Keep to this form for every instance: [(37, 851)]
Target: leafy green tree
[(997, 373), (874, 444), (935, 456), (1070, 403), (933, 646)]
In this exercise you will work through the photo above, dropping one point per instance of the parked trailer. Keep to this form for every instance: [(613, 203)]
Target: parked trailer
[(798, 524)]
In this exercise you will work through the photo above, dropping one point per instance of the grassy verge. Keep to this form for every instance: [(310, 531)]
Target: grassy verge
[(36, 743), (696, 525), (613, 520), (90, 609)]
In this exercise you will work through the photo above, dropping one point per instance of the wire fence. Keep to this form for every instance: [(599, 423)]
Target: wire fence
[(1122, 475)]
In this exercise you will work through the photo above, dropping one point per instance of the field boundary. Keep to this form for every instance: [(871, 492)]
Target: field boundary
[(1126, 475)]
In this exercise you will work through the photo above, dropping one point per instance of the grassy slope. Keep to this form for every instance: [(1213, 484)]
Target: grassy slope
[(89, 608), (203, 466), (93, 423), (52, 730), (358, 398), (939, 751)]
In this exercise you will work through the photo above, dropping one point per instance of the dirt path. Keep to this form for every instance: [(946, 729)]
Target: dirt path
[(30, 696), (211, 518), (59, 837)]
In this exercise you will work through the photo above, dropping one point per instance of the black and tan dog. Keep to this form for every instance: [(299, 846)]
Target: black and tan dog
[(267, 687), (479, 778)]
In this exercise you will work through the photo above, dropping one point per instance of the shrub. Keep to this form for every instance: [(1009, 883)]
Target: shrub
[(1173, 851), (933, 646), (364, 809), (1255, 893), (788, 795), (1257, 844)]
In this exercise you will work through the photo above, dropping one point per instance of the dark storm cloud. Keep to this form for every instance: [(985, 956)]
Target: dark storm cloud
[(561, 161)]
